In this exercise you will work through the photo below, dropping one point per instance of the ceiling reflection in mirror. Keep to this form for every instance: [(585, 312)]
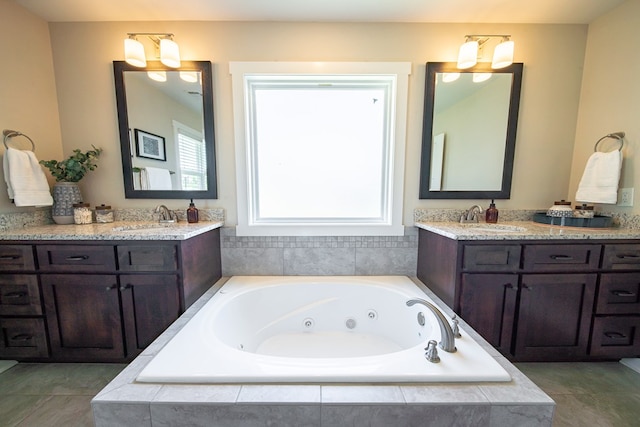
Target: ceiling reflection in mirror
[(166, 130), (469, 131)]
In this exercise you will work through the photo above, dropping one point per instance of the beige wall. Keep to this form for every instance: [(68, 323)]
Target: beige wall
[(610, 96), (28, 100), (553, 57)]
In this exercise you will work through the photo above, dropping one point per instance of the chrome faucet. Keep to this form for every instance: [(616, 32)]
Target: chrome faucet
[(447, 337), (165, 214), (471, 215)]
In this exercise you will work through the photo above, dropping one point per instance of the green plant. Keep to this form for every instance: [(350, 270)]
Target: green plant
[(75, 167)]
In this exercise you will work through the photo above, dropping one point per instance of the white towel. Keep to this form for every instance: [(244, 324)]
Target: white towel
[(599, 183), (26, 183), (155, 179)]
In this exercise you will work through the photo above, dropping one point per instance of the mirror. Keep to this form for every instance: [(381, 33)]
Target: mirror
[(166, 130), (469, 131)]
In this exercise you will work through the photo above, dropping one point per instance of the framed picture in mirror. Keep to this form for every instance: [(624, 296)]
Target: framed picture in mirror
[(150, 146)]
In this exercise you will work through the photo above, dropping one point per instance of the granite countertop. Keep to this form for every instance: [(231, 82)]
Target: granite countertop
[(523, 230), (119, 230)]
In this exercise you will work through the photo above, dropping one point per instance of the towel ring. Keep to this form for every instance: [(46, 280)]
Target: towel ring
[(616, 135), (8, 134)]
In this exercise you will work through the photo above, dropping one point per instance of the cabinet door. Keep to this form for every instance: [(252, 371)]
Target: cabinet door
[(150, 303), (487, 304), (554, 317), (83, 315)]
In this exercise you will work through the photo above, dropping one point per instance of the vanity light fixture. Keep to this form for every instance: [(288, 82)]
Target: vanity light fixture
[(167, 49), (502, 54)]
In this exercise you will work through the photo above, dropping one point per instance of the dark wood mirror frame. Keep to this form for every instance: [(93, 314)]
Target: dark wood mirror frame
[(427, 130), (119, 68)]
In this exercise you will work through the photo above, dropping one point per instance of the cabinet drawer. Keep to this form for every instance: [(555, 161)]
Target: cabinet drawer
[(157, 257), (491, 257), (615, 336), (619, 293), (74, 258), (16, 257), (621, 257), (561, 257), (23, 338), (19, 295)]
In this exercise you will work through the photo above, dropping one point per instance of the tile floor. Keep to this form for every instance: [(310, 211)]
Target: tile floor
[(56, 395)]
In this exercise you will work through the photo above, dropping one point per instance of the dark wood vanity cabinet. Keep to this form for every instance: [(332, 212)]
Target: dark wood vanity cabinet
[(104, 301), (553, 300)]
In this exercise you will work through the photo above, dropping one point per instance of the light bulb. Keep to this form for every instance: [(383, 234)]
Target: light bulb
[(450, 77), (481, 77), (134, 52), (468, 54), (169, 53), (159, 76), (503, 55)]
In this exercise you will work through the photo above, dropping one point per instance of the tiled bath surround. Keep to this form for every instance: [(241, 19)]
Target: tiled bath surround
[(329, 255), (125, 402)]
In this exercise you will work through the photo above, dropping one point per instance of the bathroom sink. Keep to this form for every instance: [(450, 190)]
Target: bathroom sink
[(143, 227), (496, 228)]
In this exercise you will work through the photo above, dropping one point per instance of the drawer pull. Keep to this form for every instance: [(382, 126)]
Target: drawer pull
[(10, 257), (615, 335), (21, 337), (15, 295), (561, 257), (623, 293), (628, 256), (77, 258)]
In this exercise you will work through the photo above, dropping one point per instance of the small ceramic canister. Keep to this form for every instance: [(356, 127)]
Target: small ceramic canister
[(584, 211), (82, 213)]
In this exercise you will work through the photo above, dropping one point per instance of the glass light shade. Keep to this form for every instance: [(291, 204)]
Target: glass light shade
[(468, 54), (450, 77), (189, 76), (503, 55), (159, 76), (169, 53), (481, 77), (134, 53)]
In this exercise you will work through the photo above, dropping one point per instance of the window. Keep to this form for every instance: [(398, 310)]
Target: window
[(192, 162), (320, 147)]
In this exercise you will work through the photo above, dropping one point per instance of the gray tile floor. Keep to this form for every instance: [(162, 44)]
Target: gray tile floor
[(57, 394)]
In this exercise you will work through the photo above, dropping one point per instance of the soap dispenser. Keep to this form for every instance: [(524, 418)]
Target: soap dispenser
[(192, 213), (492, 213)]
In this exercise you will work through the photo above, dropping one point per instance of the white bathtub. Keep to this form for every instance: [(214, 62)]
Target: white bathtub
[(290, 329)]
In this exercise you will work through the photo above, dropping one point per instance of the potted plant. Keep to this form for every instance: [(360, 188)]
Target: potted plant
[(67, 173)]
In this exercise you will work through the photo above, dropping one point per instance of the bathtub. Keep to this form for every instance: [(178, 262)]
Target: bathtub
[(290, 329)]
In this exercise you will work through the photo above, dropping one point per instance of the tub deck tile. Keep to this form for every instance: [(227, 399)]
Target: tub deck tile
[(361, 394), (276, 393), (174, 393), (444, 394)]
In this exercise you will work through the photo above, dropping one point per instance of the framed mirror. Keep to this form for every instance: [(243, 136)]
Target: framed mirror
[(469, 131), (165, 118)]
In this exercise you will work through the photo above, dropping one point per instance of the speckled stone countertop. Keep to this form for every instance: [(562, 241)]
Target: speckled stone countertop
[(523, 230), (119, 230)]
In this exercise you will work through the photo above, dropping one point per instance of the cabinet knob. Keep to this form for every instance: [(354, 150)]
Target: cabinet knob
[(125, 287), (527, 287), (112, 287)]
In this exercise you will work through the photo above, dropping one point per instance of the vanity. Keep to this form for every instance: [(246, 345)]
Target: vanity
[(538, 292), (100, 292)]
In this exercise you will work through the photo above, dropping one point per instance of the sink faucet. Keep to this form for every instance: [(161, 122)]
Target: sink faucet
[(165, 214), (447, 337), (471, 215)]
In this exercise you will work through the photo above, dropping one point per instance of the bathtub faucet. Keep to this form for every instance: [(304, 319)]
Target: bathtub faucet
[(447, 337)]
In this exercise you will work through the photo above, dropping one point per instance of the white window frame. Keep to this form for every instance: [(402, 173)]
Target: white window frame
[(243, 73)]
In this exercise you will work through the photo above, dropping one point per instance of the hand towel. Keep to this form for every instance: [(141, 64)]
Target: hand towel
[(599, 183), (155, 179), (26, 182)]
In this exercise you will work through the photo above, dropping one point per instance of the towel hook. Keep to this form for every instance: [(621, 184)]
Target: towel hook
[(616, 135), (8, 134)]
